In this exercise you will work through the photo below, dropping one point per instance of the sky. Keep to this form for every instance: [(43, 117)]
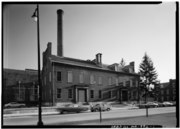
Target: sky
[(117, 31)]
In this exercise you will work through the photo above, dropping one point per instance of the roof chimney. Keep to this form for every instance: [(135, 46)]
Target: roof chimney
[(59, 32), (99, 59)]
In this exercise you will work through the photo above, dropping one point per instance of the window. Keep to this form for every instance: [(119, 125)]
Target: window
[(127, 83), (109, 81), (161, 86), (162, 92), (174, 91), (58, 93), (134, 94), (116, 81), (92, 81), (162, 98), (100, 94), (49, 76), (45, 80), (70, 93), (134, 83), (59, 76), (114, 93), (81, 77), (109, 94), (100, 80), (167, 92), (121, 84), (70, 77), (92, 93)]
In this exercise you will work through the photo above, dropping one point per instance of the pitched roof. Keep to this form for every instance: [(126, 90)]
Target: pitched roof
[(164, 85), (84, 63)]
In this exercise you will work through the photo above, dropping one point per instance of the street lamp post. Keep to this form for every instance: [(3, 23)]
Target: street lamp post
[(36, 18)]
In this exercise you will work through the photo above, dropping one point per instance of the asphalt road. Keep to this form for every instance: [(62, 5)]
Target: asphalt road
[(68, 118)]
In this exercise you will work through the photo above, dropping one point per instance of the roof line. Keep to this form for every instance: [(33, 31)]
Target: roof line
[(94, 68)]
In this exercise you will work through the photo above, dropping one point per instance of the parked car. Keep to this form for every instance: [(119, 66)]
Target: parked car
[(102, 106), (159, 104), (14, 105), (148, 105), (152, 104), (166, 104), (72, 108)]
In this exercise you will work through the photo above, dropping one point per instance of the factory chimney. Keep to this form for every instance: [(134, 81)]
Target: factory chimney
[(59, 32)]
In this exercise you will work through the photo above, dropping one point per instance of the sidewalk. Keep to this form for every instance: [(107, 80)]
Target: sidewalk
[(164, 120), (51, 112)]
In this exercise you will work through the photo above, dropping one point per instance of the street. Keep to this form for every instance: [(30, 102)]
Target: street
[(86, 116)]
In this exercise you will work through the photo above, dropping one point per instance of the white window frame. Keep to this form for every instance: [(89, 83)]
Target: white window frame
[(57, 76), (58, 93), (117, 81), (81, 77), (92, 79), (92, 94), (69, 76), (100, 80), (70, 97), (109, 81)]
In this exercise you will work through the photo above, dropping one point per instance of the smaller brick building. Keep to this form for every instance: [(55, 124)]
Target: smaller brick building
[(167, 91), (20, 86)]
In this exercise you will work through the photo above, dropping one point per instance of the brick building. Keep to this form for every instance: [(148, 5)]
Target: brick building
[(20, 86), (67, 79), (167, 91)]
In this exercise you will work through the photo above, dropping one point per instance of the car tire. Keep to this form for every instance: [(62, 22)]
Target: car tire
[(108, 109), (61, 112)]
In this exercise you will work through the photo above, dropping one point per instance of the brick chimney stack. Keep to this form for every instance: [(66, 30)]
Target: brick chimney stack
[(99, 59), (59, 32)]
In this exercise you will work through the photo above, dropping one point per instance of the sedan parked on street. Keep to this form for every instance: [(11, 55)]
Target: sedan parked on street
[(72, 108), (100, 106), (159, 104), (166, 104), (152, 104), (14, 105), (148, 105)]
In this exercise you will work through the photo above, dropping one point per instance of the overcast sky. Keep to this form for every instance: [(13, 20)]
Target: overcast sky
[(117, 31)]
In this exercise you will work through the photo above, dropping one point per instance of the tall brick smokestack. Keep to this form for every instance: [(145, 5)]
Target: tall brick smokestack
[(59, 32)]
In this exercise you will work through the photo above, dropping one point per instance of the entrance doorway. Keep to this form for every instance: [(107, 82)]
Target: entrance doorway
[(81, 95), (124, 95)]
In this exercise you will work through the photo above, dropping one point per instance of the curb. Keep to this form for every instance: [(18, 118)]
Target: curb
[(56, 112), (28, 114)]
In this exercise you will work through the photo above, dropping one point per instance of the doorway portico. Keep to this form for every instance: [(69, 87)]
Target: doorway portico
[(81, 93)]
